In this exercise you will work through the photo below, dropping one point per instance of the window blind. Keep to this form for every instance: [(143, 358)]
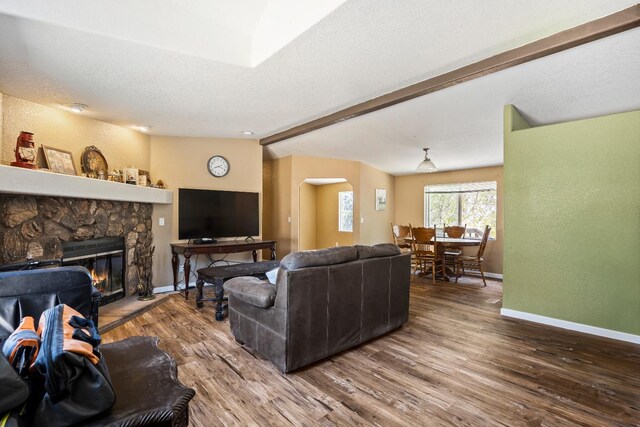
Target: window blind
[(463, 187)]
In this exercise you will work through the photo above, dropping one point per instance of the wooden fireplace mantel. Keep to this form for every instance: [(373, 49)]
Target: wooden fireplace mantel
[(16, 180)]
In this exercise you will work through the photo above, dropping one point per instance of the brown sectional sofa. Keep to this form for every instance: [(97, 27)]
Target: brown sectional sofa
[(323, 302)]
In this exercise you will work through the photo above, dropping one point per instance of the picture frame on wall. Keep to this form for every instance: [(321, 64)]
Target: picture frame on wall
[(381, 199), (59, 161)]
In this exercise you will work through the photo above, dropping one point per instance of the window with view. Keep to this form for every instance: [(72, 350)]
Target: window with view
[(345, 211), (472, 204)]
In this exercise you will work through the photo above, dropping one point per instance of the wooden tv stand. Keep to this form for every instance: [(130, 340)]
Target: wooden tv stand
[(222, 247)]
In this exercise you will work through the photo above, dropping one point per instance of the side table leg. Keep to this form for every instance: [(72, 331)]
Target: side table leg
[(174, 265), (199, 295), (219, 291), (273, 252), (187, 273), (254, 254)]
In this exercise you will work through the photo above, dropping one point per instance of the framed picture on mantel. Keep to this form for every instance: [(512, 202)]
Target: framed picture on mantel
[(59, 161)]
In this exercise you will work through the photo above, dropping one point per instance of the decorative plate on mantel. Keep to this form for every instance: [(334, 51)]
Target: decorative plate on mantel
[(93, 161)]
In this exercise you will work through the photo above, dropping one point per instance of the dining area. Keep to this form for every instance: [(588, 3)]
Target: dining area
[(440, 252)]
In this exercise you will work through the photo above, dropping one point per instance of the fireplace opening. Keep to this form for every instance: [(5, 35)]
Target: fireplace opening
[(104, 258)]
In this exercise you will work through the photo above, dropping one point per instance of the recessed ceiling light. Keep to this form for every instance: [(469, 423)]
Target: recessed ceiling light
[(143, 128), (247, 132), (77, 108)]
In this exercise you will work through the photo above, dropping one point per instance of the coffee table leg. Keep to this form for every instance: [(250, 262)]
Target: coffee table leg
[(219, 291), (199, 295)]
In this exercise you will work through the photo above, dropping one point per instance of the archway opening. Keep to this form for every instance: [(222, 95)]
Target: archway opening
[(326, 213)]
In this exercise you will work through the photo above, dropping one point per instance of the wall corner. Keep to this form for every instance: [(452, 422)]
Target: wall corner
[(514, 120)]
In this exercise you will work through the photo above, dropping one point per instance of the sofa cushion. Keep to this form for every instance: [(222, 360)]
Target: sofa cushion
[(252, 290), (319, 257), (377, 251)]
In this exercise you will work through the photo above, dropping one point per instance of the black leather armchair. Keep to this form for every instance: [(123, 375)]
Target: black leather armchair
[(30, 292), (144, 377)]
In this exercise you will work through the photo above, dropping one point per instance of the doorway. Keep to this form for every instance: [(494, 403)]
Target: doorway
[(326, 213)]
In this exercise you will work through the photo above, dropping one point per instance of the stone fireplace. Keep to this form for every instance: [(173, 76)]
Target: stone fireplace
[(37, 227)]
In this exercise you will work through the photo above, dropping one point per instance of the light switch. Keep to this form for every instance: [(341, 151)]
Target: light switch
[(161, 222), (289, 219), (362, 220)]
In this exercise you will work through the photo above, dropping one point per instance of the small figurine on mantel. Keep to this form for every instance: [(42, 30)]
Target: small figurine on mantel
[(25, 151)]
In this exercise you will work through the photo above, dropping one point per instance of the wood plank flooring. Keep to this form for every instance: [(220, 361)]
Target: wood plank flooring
[(456, 362), (118, 312)]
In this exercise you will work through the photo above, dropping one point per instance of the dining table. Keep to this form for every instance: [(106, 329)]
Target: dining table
[(441, 244)]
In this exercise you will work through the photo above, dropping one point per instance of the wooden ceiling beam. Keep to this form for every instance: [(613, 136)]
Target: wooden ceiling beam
[(618, 22)]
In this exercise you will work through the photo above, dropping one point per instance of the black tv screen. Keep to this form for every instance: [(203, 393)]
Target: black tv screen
[(213, 214)]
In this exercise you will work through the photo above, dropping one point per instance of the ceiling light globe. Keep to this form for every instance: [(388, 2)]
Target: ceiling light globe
[(77, 108), (426, 165)]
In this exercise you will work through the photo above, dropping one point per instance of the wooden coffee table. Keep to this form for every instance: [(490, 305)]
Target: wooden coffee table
[(218, 275)]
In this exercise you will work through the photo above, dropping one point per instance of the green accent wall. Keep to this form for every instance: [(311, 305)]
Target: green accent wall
[(572, 219)]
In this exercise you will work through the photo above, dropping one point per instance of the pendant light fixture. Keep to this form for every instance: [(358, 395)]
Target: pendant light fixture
[(426, 165)]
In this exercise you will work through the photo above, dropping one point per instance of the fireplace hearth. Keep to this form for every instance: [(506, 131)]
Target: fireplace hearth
[(104, 258)]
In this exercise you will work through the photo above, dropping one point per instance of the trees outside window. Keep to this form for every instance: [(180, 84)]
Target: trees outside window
[(473, 204)]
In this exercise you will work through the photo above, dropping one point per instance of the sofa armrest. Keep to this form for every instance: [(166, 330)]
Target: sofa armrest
[(259, 293)]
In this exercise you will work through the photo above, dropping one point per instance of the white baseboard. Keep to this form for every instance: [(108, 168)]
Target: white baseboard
[(489, 275), (572, 326), (493, 275), (163, 289), (169, 288)]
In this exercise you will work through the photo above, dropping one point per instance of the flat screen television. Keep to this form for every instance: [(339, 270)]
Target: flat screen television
[(206, 214)]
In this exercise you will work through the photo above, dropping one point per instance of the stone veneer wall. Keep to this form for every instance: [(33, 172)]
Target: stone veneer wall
[(33, 227)]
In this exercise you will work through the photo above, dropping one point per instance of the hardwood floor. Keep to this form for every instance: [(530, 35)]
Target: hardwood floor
[(456, 362), (117, 313)]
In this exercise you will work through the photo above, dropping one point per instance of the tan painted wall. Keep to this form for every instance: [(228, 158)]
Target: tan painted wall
[(182, 163), (409, 203), (377, 224), (72, 132), (313, 167), (2, 125), (287, 174), (177, 161), (327, 216), (307, 216), (277, 195)]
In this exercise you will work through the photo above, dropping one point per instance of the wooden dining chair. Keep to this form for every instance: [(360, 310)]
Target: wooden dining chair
[(452, 252), (476, 261), (423, 249), (402, 239), (455, 231), (401, 236)]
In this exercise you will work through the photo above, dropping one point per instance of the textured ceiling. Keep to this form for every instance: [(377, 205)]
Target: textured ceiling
[(363, 49), (463, 124), (239, 32)]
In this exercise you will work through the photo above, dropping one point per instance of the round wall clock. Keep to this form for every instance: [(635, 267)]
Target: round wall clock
[(218, 166)]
